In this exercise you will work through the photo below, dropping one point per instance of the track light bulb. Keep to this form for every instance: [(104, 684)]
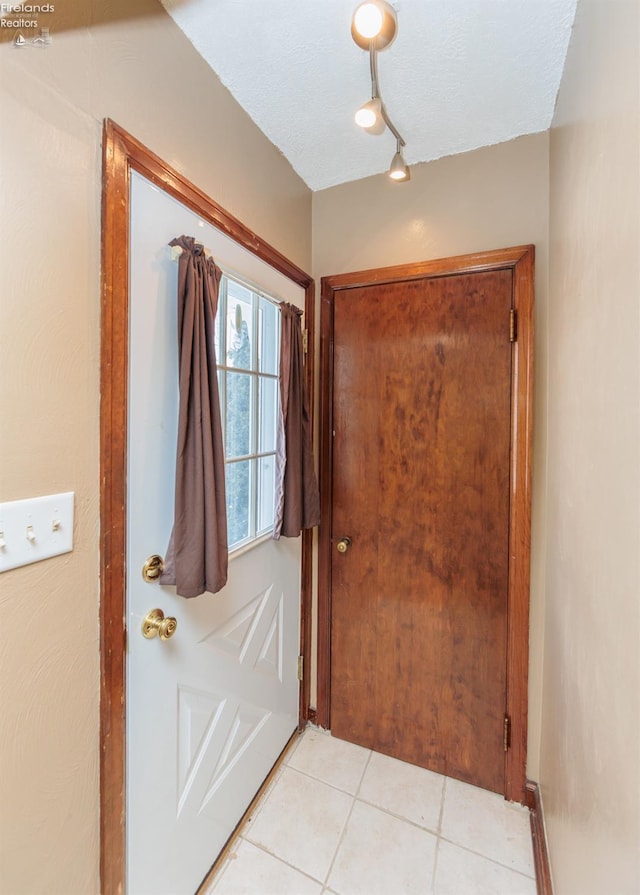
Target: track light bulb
[(369, 116), (399, 170), (374, 22), (366, 116), (367, 20)]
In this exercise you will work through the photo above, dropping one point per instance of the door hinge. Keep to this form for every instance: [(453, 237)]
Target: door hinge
[(300, 667), (506, 733), (305, 340), (513, 325)]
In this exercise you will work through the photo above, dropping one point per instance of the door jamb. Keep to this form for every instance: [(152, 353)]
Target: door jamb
[(121, 154), (520, 260)]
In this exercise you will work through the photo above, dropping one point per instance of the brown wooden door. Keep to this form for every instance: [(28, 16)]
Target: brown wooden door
[(420, 484)]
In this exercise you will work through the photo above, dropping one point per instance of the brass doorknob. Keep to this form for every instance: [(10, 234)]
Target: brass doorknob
[(343, 545), (153, 568), (156, 625)]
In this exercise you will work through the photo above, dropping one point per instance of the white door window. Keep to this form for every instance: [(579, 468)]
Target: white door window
[(248, 352)]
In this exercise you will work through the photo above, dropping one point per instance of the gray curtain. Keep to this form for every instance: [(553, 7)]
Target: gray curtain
[(297, 496), (197, 554)]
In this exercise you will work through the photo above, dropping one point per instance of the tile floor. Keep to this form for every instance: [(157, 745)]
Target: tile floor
[(342, 820)]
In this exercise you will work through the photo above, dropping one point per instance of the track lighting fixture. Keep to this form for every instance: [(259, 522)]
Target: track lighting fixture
[(373, 28), (398, 169), (369, 116)]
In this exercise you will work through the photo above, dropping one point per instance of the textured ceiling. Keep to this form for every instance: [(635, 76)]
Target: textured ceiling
[(460, 74)]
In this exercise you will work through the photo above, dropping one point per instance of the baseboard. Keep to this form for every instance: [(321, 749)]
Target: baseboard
[(539, 839)]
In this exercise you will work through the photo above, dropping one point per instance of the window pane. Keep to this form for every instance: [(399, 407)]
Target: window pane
[(248, 342), (269, 325), (239, 415), (267, 407), (266, 487), (239, 326), (238, 482)]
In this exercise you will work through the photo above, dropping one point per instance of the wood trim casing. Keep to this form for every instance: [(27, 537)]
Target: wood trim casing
[(113, 419), (520, 259), (121, 154), (520, 527), (544, 883)]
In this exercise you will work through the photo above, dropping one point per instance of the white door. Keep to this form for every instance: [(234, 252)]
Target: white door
[(210, 710)]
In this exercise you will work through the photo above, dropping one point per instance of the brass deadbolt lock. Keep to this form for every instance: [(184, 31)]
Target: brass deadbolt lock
[(153, 568)]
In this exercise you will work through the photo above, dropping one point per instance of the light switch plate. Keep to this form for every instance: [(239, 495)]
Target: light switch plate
[(35, 529)]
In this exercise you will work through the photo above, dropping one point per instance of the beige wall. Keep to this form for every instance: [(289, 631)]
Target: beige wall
[(147, 77), (487, 199), (590, 759)]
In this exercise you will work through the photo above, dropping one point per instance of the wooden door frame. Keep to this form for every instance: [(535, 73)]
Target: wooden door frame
[(122, 153), (521, 261)]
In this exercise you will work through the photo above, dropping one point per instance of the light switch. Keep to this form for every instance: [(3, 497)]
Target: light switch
[(35, 529)]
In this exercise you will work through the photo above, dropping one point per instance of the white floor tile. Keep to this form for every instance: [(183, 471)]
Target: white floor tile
[(382, 855), (483, 822), (485, 847), (301, 822), (460, 872), (403, 789), (333, 761), (254, 872)]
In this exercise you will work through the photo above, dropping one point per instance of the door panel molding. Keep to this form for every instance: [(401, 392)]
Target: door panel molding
[(122, 153), (520, 260)]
